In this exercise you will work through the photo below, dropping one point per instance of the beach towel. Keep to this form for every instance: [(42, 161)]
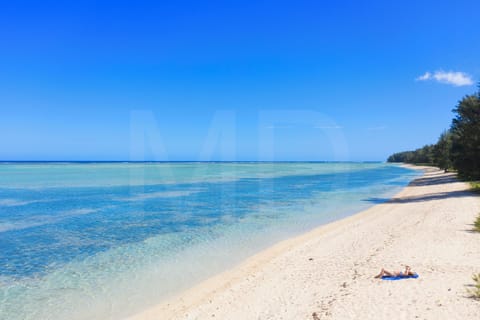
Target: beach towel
[(400, 278)]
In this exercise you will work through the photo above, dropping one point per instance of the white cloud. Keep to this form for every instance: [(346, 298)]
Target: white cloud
[(426, 76), (457, 79)]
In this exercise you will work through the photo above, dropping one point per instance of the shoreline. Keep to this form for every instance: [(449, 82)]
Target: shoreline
[(266, 285)]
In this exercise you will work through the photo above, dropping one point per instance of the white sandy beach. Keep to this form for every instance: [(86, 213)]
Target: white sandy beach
[(330, 270)]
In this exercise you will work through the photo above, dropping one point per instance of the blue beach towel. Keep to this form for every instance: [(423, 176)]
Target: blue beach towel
[(415, 276)]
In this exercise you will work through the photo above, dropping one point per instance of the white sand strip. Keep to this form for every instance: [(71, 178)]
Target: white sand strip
[(330, 270)]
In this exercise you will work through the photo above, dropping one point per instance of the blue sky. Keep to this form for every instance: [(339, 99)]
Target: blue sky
[(231, 80)]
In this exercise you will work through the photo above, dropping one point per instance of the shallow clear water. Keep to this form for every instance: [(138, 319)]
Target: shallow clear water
[(105, 240)]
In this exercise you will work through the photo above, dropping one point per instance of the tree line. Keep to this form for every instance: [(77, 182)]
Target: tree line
[(457, 148)]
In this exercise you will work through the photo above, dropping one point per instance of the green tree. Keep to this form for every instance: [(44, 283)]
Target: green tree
[(442, 151), (424, 155), (466, 137)]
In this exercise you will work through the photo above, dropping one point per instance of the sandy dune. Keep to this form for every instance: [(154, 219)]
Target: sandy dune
[(330, 270)]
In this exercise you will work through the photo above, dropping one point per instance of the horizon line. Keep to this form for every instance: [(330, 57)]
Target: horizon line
[(188, 161)]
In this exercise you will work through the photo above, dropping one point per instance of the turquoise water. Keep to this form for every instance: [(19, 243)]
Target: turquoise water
[(105, 240)]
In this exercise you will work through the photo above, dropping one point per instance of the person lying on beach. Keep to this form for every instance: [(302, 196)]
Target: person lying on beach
[(408, 272)]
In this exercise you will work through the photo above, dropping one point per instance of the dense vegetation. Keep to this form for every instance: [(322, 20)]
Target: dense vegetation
[(457, 148)]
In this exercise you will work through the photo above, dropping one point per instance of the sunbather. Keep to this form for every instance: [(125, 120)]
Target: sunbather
[(408, 272)]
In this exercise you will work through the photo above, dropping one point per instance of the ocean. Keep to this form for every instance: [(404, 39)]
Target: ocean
[(107, 240)]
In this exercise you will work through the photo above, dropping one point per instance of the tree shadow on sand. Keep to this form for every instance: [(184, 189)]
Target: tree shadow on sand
[(428, 181), (422, 198)]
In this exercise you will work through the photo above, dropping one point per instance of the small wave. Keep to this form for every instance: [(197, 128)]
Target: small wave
[(16, 202), (161, 194), (78, 212), (8, 226)]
